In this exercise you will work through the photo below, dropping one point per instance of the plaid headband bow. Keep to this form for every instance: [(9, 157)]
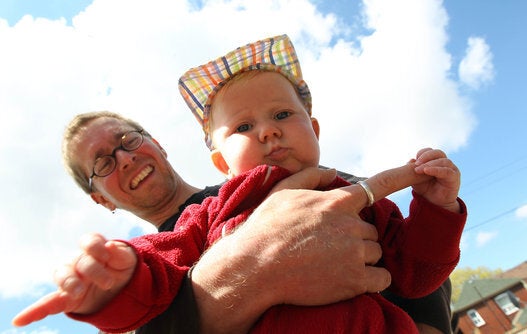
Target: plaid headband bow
[(199, 85)]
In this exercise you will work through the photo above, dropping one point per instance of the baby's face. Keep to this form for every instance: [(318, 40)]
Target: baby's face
[(261, 120)]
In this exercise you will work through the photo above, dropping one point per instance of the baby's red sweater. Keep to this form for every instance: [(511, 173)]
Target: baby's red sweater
[(420, 252)]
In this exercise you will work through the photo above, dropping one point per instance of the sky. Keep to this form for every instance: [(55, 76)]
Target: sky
[(387, 79)]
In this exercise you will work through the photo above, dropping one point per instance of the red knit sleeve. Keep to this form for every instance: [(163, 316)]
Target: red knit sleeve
[(135, 305), (422, 250), (163, 261)]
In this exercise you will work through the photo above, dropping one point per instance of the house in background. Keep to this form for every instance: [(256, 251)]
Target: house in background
[(497, 305), (520, 271)]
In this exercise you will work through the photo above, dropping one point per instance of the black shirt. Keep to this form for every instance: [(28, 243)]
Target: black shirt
[(182, 315), (196, 198)]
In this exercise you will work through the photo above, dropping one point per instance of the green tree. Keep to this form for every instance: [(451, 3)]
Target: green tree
[(461, 275)]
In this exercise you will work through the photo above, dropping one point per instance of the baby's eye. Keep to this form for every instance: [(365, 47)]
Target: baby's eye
[(243, 128), (282, 114)]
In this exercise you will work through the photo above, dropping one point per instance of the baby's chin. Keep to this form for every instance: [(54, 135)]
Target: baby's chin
[(294, 168)]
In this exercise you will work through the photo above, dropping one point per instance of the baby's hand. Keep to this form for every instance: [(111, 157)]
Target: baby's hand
[(442, 190), (88, 282)]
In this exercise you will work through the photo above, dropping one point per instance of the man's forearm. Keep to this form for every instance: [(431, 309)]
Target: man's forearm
[(227, 288), (278, 258)]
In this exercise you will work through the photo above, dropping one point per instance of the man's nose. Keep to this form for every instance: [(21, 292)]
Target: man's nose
[(124, 158)]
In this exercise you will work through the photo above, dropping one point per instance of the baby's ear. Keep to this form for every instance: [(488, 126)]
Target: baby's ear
[(219, 162)]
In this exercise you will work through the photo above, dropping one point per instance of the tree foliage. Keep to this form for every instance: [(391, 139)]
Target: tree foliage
[(461, 275)]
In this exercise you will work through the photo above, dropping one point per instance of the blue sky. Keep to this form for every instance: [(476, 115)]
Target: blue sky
[(387, 79)]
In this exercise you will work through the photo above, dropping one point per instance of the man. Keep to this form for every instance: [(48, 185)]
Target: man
[(145, 184), (235, 281)]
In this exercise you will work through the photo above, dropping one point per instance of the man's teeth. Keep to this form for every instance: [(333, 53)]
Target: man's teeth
[(140, 177)]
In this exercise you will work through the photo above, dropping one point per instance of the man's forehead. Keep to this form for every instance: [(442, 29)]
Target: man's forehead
[(100, 134)]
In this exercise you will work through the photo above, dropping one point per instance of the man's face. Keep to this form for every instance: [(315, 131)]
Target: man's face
[(142, 180)]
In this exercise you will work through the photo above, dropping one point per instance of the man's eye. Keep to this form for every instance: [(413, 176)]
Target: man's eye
[(132, 142), (283, 114), (243, 128), (104, 164)]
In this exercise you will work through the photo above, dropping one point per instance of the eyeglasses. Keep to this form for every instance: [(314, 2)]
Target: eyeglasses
[(106, 164)]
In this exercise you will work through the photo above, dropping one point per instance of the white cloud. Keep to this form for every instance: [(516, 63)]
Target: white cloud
[(40, 330), (476, 68), (379, 98), (522, 212), (482, 238), (391, 94)]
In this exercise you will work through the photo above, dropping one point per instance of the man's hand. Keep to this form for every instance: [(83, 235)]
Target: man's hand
[(308, 178), (300, 247), (88, 283)]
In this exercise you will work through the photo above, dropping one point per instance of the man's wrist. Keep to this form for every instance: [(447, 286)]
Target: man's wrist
[(228, 297)]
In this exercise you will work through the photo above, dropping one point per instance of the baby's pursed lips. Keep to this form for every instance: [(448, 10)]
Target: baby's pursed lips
[(277, 153)]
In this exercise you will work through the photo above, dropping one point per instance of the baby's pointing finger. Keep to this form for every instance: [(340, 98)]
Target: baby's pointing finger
[(53, 303)]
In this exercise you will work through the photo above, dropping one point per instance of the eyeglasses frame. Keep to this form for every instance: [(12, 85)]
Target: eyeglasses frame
[(113, 156)]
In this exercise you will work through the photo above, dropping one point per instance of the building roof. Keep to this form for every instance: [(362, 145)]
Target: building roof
[(520, 271), (474, 291)]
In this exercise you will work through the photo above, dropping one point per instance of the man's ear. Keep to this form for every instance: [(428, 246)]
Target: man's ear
[(219, 162), (316, 126), (98, 198), (160, 147)]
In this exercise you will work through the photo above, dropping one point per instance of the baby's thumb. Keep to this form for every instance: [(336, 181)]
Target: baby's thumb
[(122, 255)]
